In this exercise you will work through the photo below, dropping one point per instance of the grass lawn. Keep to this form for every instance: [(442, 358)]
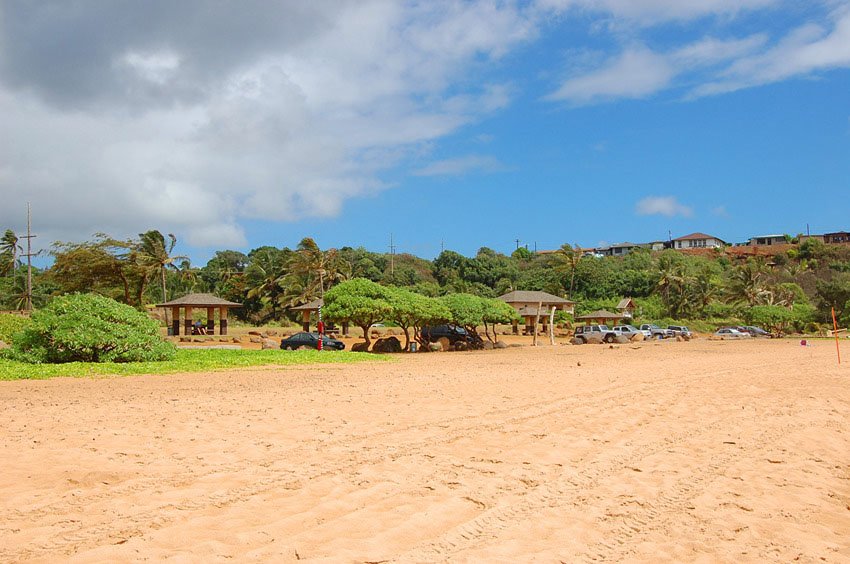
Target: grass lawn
[(188, 360)]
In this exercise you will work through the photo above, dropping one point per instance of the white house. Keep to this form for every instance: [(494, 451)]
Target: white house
[(760, 240), (698, 241)]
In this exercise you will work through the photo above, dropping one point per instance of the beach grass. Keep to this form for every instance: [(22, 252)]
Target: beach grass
[(187, 360)]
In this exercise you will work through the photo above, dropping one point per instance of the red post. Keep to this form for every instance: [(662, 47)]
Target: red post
[(321, 328), (835, 332)]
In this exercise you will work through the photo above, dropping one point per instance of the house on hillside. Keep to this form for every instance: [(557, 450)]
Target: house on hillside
[(766, 240), (627, 308), (839, 237), (621, 249), (526, 303), (698, 241)]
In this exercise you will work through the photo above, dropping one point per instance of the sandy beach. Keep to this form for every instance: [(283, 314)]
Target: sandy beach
[(701, 451)]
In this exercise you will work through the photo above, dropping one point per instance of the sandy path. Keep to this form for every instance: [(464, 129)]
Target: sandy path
[(698, 451)]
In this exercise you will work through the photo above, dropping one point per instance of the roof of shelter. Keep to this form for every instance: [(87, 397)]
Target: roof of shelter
[(310, 306), (199, 300), (601, 314), (526, 296)]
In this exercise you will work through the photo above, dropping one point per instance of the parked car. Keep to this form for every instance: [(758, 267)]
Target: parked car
[(627, 331), (755, 331), (731, 333), (656, 332), (582, 333), (451, 332), (311, 340), (680, 331)]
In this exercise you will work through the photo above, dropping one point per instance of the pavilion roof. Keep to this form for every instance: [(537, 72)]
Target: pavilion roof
[(601, 314), (525, 296), (310, 306), (199, 300)]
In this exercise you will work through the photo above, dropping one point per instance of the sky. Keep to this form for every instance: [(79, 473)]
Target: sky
[(429, 124)]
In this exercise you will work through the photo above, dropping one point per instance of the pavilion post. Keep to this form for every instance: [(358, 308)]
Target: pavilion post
[(515, 327), (175, 320), (552, 325), (222, 320), (187, 321), (210, 320), (345, 328), (305, 320)]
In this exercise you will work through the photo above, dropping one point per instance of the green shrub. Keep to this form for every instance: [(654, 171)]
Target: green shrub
[(90, 328), (11, 324)]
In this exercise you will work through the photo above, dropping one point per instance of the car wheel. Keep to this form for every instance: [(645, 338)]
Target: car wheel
[(609, 338)]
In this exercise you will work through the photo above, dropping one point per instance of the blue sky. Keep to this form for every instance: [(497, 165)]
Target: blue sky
[(456, 124)]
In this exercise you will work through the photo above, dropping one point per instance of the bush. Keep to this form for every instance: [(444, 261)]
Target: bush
[(11, 324), (90, 328)]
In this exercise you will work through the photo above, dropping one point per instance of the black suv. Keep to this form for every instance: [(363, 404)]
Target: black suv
[(451, 332)]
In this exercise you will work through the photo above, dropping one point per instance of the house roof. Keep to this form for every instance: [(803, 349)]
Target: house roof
[(697, 235), (625, 303), (601, 314), (526, 296), (199, 300), (310, 306), (625, 244), (768, 237)]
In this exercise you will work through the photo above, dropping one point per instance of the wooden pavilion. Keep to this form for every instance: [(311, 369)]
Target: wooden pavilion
[(600, 316), (189, 303), (627, 307), (530, 305)]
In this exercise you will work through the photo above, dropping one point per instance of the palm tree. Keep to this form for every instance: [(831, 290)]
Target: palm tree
[(155, 254), (9, 249), (311, 271), (264, 276), (747, 284), (566, 260)]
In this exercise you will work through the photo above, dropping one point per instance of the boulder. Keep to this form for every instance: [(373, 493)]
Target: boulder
[(637, 337), (575, 341), (360, 347), (236, 340), (461, 346), (387, 345), (621, 339), (271, 332), (270, 344), (487, 346), (594, 339), (500, 345), (435, 347), (445, 343), (185, 339), (257, 333), (256, 339)]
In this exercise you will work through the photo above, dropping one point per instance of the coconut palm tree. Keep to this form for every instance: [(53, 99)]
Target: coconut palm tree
[(155, 253), (565, 260), (9, 251), (311, 271)]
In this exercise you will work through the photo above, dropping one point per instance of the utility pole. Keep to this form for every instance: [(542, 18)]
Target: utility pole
[(517, 243), (392, 256), (29, 237)]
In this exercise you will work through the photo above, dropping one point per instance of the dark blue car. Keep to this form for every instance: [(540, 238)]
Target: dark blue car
[(310, 340)]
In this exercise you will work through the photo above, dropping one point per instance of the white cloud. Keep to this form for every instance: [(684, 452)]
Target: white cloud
[(662, 205), (160, 127), (461, 165), (651, 12), (806, 50), (636, 73)]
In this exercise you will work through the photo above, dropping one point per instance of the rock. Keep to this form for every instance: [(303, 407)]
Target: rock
[(435, 347), (257, 333), (487, 346), (594, 339), (461, 346), (387, 345), (621, 339), (679, 338), (236, 340), (500, 345), (360, 347), (198, 340), (270, 344), (185, 339), (256, 339), (637, 337), (271, 333), (575, 341), (445, 343)]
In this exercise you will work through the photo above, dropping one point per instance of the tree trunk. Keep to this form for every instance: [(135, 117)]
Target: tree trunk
[(406, 338), (162, 279), (366, 334)]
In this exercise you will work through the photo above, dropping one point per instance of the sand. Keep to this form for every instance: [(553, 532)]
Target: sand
[(701, 451)]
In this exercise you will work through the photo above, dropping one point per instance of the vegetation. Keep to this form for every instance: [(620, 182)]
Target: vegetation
[(90, 328), (711, 288), (11, 324), (186, 360)]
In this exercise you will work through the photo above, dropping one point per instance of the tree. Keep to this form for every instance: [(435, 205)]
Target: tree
[(155, 253), (774, 318), (565, 260), (311, 270), (747, 284), (9, 252), (90, 328), (496, 311), (264, 276), (412, 310), (466, 310), (358, 301)]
